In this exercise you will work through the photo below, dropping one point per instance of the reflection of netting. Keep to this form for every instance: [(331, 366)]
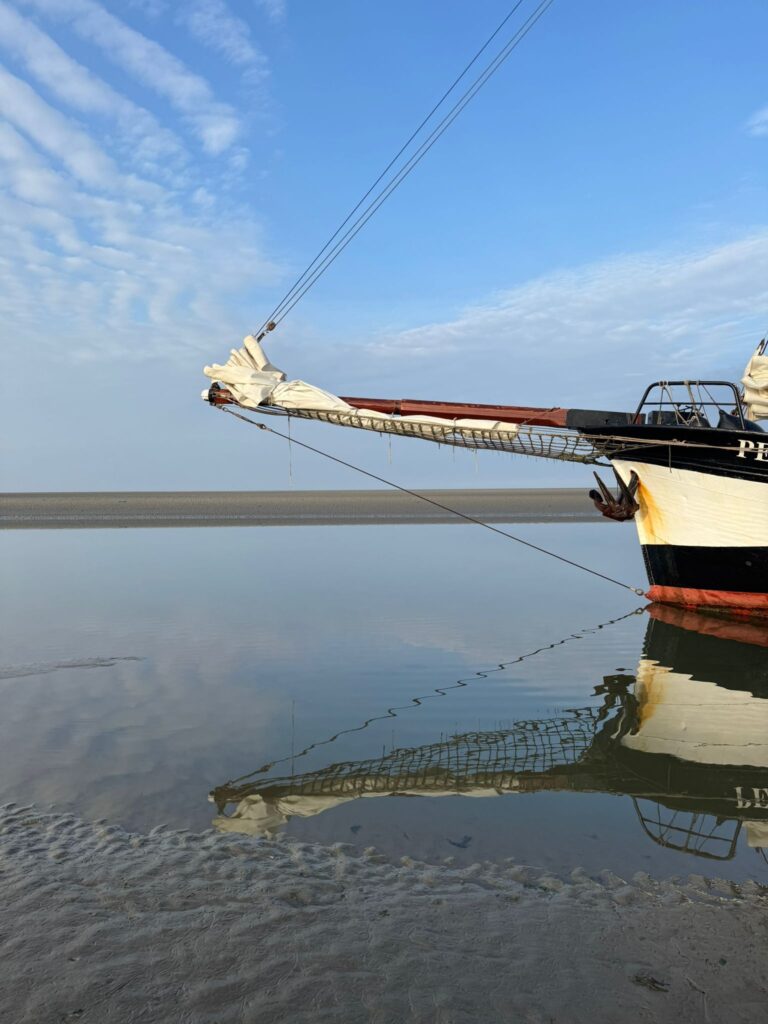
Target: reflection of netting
[(541, 442), (703, 835), (489, 760)]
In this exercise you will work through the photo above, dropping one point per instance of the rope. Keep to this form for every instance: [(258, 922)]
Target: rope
[(389, 166), (317, 267), (431, 501)]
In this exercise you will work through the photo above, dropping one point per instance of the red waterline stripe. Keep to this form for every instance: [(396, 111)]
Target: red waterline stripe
[(692, 598)]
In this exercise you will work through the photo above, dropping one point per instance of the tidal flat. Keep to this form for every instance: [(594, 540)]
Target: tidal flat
[(373, 773)]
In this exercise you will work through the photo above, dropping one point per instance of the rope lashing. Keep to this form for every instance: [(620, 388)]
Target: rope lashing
[(431, 501)]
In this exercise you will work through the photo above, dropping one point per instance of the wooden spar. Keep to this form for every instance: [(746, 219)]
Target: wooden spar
[(554, 417), (533, 415)]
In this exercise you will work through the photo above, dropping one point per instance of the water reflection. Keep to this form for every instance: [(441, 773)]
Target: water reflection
[(685, 738)]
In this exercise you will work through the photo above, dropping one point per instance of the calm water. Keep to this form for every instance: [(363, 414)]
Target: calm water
[(225, 676)]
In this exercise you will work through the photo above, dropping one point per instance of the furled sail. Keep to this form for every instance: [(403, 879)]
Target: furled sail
[(250, 381), (256, 384), (755, 381)]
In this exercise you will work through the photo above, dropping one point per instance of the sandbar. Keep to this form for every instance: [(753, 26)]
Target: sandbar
[(123, 509)]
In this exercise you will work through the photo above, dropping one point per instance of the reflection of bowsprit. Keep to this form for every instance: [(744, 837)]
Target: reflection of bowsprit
[(686, 738)]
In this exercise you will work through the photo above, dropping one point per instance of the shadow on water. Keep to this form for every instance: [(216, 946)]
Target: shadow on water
[(685, 739)]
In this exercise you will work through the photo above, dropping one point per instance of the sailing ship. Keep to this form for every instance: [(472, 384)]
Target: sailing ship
[(685, 738), (690, 462)]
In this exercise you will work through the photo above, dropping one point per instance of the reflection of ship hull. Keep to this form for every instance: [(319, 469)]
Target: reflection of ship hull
[(679, 741), (681, 713)]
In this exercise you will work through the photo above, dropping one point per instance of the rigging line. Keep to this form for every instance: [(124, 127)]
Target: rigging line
[(416, 158), (310, 278), (390, 165), (439, 691), (431, 501)]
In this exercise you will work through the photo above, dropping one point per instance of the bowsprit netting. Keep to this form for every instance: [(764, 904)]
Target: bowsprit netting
[(523, 439)]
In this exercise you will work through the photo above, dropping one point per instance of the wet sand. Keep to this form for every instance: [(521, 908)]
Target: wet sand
[(121, 509), (102, 925)]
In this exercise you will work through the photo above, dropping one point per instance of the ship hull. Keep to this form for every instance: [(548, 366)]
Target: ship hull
[(702, 519)]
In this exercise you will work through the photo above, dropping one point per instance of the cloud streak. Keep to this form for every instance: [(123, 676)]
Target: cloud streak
[(758, 123), (605, 326), (214, 25), (51, 131), (147, 142), (275, 10), (216, 124)]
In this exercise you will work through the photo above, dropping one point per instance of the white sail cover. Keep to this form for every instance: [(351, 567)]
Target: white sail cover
[(255, 382), (755, 381)]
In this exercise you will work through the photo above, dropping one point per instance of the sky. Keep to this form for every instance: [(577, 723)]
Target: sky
[(597, 218)]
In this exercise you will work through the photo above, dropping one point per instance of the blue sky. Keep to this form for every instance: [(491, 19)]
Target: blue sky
[(596, 218)]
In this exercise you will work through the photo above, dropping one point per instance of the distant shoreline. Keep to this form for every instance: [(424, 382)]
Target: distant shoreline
[(150, 509)]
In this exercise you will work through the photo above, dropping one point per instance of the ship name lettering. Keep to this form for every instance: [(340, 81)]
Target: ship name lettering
[(759, 798), (758, 448)]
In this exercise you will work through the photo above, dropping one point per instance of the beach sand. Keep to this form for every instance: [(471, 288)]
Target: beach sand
[(93, 509), (101, 925)]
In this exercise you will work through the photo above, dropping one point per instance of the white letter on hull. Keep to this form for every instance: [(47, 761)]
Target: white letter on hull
[(744, 447), (741, 801)]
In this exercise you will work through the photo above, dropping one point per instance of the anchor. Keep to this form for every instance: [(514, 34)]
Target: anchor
[(620, 508)]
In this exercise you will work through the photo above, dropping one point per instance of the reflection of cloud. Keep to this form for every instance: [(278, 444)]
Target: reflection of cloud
[(45, 668), (140, 740)]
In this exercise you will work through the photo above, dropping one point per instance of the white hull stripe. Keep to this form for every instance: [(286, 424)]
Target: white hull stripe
[(689, 508)]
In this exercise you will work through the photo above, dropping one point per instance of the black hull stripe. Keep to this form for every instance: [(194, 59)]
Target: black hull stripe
[(729, 663), (743, 570), (722, 459)]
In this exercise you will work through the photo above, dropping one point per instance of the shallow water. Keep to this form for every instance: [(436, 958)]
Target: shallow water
[(515, 705)]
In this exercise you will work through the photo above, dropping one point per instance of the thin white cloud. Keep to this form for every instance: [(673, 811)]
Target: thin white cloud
[(53, 132), (758, 123), (216, 124), (274, 9), (152, 8), (605, 326), (147, 141), (118, 277), (213, 24)]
